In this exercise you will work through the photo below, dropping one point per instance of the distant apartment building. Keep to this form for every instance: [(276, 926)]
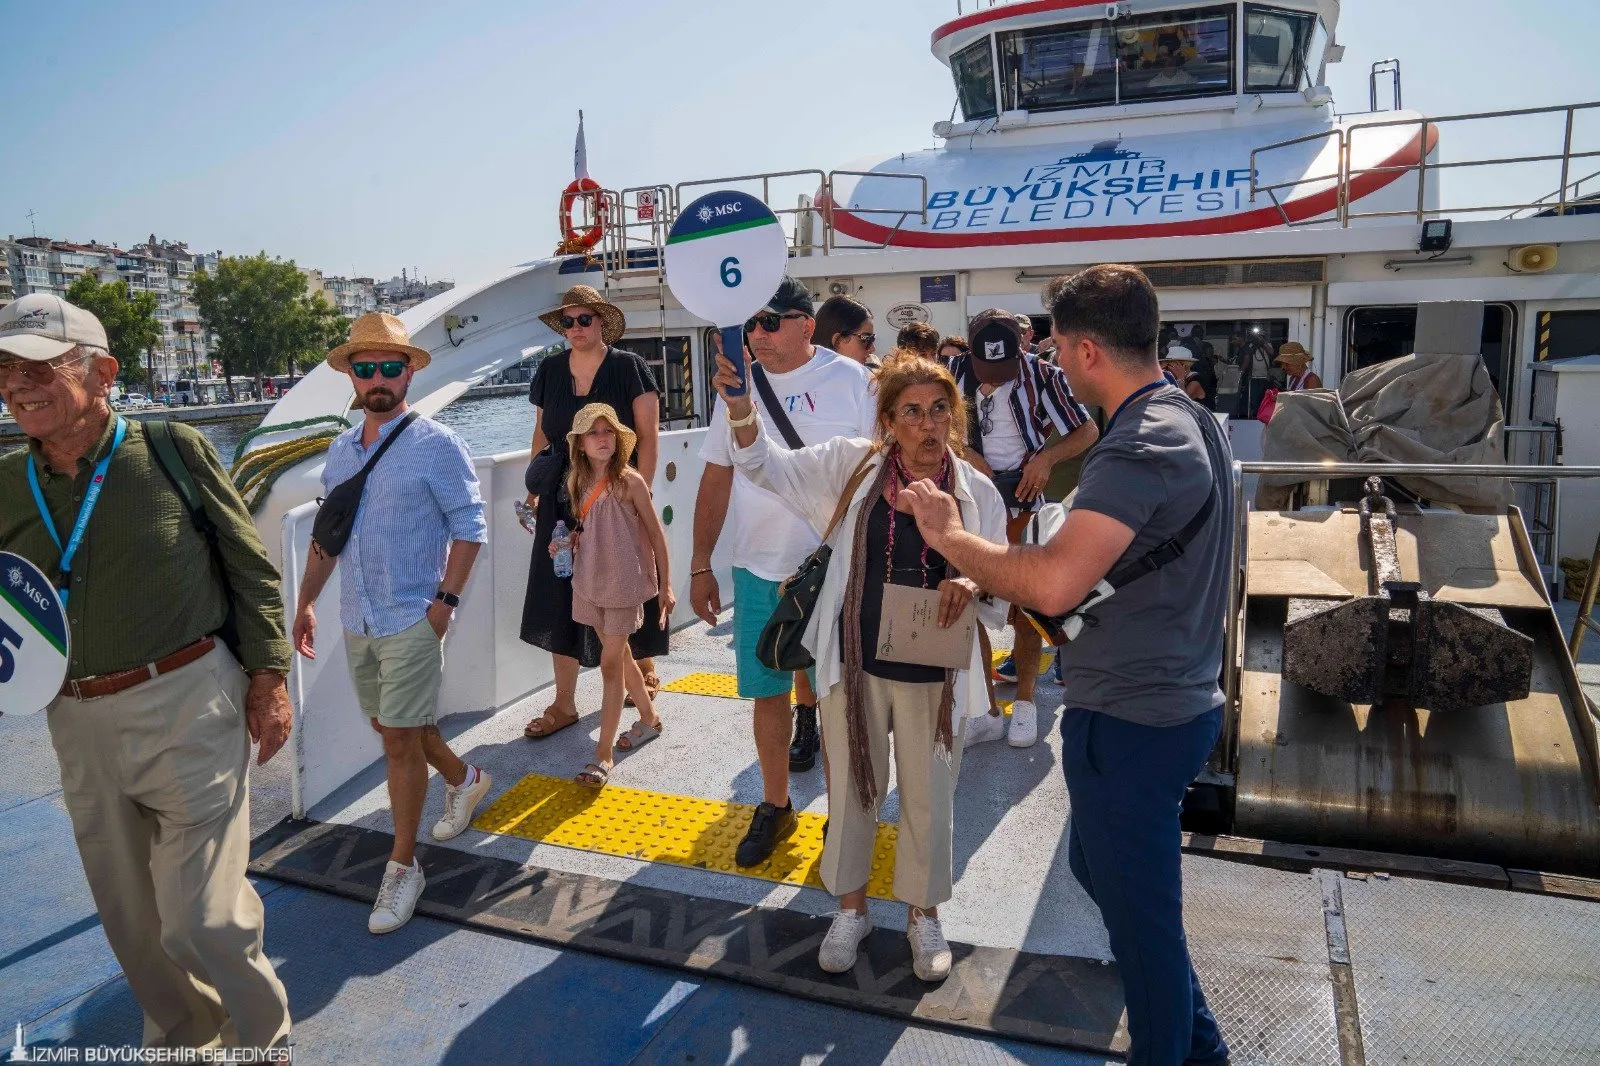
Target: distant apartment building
[(404, 292), (351, 297)]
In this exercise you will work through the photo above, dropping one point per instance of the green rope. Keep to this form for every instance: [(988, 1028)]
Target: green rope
[(244, 441)]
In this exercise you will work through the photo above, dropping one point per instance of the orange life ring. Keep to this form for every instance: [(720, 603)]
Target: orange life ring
[(569, 196)]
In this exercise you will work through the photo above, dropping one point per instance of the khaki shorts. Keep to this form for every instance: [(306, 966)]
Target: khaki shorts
[(397, 677), (614, 620)]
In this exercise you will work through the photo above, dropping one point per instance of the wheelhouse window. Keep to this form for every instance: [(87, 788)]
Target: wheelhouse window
[(1169, 55), (1278, 49), (973, 67)]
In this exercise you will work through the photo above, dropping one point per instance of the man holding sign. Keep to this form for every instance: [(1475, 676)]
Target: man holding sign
[(154, 724)]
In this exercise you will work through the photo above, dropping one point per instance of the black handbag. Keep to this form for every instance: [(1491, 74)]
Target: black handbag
[(779, 647), (336, 518), (545, 469)]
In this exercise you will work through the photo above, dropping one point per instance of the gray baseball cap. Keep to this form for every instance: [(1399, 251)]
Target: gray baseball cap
[(41, 326)]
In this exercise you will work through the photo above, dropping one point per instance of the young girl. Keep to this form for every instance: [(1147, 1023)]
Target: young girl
[(619, 564)]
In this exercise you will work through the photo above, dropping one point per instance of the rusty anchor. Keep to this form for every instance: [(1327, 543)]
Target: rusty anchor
[(1397, 642)]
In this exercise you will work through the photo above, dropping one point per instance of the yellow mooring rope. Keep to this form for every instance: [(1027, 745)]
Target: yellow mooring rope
[(254, 474)]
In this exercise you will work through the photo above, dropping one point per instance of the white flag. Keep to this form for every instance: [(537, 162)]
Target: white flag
[(580, 153)]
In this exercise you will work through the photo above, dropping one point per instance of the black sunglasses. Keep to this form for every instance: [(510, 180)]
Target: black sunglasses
[(584, 320), (771, 321), (868, 338), (392, 368)]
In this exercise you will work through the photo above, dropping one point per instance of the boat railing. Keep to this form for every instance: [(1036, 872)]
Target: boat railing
[(1559, 148)]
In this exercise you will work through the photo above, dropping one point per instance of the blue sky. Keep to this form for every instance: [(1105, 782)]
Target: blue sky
[(360, 138)]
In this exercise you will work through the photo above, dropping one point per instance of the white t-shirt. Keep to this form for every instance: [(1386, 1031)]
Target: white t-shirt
[(824, 398), (1003, 447)]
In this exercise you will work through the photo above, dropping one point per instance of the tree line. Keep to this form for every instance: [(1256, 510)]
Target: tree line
[(260, 319)]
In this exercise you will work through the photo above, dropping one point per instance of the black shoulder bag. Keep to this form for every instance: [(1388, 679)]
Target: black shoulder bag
[(170, 460), (775, 411), (336, 518), (779, 647)]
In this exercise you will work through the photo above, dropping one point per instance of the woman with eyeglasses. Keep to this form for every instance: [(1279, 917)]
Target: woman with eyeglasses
[(865, 698), (845, 325), (590, 371)]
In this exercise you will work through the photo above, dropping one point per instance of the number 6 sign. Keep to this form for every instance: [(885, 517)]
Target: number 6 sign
[(33, 638), (725, 259)]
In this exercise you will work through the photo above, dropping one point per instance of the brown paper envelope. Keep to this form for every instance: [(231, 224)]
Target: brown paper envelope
[(908, 630)]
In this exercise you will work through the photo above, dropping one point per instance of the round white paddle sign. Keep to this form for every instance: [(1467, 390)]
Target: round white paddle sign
[(33, 638), (725, 258)]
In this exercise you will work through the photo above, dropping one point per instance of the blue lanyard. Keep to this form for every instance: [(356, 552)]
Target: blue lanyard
[(1140, 391), (90, 498)]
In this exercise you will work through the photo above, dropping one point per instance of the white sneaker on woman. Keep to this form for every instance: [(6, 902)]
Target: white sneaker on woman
[(397, 897), (843, 942), (1024, 729), (930, 953), (983, 728), (461, 803)]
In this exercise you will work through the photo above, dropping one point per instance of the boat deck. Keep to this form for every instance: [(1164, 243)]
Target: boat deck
[(1427, 971)]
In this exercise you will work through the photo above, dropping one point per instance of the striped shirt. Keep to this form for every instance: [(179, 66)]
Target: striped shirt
[(422, 495), (1041, 402)]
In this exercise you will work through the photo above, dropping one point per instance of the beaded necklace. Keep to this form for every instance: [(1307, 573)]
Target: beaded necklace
[(899, 477)]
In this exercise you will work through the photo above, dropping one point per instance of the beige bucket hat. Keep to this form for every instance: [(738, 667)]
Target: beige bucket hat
[(378, 332), (611, 321), (1293, 353), (589, 414)]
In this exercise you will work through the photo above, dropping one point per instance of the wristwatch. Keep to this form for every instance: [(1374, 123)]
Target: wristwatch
[(449, 599), (740, 423)]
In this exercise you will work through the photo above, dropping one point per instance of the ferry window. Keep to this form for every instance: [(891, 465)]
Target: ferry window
[(1059, 67), (1376, 335), (1568, 334), (1183, 53), (1275, 49), (669, 364), (1233, 359), (973, 68)]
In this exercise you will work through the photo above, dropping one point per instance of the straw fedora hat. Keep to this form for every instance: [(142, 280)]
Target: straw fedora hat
[(589, 414), (1178, 354), (1293, 352), (611, 320), (378, 332)]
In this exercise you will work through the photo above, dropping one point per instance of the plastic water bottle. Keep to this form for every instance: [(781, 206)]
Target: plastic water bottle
[(563, 542)]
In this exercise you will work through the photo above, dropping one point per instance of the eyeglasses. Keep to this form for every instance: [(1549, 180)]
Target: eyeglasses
[(392, 368), (985, 410), (771, 321), (912, 415), (869, 339), (38, 373), (585, 320)]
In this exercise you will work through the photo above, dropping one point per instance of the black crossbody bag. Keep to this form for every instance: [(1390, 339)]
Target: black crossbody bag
[(780, 417), (336, 517)]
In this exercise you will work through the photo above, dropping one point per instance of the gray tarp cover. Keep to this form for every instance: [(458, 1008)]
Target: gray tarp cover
[(1416, 409)]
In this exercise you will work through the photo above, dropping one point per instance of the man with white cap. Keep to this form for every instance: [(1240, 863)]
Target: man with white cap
[(169, 610)]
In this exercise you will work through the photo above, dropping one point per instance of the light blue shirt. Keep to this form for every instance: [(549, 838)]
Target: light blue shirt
[(422, 495)]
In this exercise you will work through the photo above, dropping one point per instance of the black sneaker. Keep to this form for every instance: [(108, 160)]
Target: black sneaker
[(767, 826), (803, 752)]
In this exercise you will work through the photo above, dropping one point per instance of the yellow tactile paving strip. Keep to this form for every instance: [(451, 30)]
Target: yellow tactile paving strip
[(657, 827), (727, 685)]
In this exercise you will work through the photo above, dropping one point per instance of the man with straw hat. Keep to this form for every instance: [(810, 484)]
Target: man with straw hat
[(1296, 363), (1178, 365), (406, 564)]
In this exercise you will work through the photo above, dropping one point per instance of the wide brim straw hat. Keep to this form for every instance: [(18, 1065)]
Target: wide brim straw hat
[(611, 321), (589, 414), (378, 332), (1293, 352)]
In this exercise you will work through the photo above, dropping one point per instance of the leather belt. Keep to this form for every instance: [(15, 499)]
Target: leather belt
[(93, 688)]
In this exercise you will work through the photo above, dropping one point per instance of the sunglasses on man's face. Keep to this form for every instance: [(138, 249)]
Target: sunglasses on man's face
[(771, 321), (584, 320), (391, 368)]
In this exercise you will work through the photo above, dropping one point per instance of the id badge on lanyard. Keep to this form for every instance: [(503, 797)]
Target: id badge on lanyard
[(90, 498)]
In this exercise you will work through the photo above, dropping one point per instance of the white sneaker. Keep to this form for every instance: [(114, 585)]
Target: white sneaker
[(930, 953), (397, 897), (461, 803), (839, 947), (984, 728), (1024, 729)]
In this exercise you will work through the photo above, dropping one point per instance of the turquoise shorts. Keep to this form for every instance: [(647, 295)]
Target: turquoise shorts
[(754, 600)]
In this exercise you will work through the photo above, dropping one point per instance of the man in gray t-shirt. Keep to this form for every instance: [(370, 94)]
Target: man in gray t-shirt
[(1142, 709)]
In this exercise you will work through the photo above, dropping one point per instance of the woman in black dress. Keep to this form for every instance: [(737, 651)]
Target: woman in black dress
[(590, 372)]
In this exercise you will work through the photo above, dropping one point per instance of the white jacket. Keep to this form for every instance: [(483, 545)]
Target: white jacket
[(810, 481)]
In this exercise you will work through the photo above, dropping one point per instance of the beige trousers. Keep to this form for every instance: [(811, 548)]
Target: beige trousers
[(925, 781), (156, 779)]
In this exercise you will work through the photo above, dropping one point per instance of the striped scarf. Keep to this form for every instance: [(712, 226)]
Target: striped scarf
[(857, 743)]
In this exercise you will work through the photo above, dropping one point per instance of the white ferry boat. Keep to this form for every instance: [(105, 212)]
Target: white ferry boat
[(1418, 891)]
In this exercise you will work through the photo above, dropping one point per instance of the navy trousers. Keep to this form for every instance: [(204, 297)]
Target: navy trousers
[(1127, 783)]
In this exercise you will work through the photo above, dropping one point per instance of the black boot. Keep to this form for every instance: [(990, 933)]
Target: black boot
[(803, 752)]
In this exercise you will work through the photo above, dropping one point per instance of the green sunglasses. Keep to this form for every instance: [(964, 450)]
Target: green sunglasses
[(392, 368)]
